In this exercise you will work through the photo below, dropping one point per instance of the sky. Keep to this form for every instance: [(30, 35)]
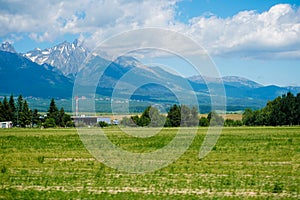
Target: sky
[(255, 39)]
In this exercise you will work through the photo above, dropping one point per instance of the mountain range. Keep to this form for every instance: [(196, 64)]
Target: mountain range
[(51, 72)]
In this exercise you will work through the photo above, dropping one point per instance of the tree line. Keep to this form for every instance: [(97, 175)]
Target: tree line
[(178, 115), (21, 115), (284, 110)]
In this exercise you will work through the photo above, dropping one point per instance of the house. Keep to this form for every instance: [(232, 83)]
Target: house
[(7, 124)]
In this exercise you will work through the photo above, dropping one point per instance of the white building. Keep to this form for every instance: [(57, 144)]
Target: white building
[(104, 119), (7, 124)]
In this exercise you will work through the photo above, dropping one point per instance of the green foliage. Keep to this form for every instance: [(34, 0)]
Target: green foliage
[(157, 120), (20, 104), (144, 120), (53, 110), (1, 112), (25, 116), (5, 115), (173, 117), (189, 117), (177, 116), (283, 110), (126, 121), (60, 118), (150, 117), (49, 123), (215, 119), (203, 121), (103, 124), (36, 118), (19, 114), (70, 123), (12, 110), (232, 123), (135, 119)]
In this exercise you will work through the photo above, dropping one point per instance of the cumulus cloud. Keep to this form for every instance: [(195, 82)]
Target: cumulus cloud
[(275, 32), (45, 20), (251, 34)]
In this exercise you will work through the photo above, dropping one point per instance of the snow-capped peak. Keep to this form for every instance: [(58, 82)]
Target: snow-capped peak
[(66, 57), (6, 46)]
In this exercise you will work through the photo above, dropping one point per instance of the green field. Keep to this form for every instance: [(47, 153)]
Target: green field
[(246, 163)]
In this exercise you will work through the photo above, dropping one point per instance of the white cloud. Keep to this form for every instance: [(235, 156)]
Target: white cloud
[(249, 33), (275, 32), (46, 20)]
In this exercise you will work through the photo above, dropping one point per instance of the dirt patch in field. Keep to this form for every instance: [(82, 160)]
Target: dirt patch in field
[(144, 190), (70, 159)]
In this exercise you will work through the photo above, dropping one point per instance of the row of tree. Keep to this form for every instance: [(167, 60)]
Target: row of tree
[(177, 116), (57, 117), (284, 110), (21, 115)]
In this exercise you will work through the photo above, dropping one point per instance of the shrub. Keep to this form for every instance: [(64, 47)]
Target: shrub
[(203, 121), (49, 123), (102, 124)]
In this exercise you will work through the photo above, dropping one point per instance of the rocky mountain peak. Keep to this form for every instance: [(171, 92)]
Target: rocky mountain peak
[(66, 57), (8, 47)]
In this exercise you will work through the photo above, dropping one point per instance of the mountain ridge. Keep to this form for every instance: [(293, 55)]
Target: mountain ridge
[(66, 57), (20, 75), (240, 92)]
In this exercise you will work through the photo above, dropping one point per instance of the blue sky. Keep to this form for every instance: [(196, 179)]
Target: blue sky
[(259, 40)]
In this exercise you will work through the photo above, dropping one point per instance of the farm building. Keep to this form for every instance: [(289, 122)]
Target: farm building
[(92, 120), (7, 124), (104, 119)]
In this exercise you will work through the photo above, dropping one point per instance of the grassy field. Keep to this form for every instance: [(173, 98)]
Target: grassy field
[(246, 163)]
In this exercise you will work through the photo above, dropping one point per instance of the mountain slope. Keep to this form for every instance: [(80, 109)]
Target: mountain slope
[(126, 75), (21, 76), (235, 81), (66, 57)]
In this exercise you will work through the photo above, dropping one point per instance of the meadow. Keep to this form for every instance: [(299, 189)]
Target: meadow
[(246, 163)]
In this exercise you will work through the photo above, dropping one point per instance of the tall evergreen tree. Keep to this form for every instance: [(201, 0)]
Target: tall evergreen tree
[(52, 108), (185, 112), (157, 120), (19, 109), (174, 116), (12, 109), (194, 117), (1, 112), (25, 116), (53, 112), (145, 120), (20, 103), (5, 110), (297, 110), (61, 116), (35, 117)]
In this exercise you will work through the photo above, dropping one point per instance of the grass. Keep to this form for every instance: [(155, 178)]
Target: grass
[(246, 163)]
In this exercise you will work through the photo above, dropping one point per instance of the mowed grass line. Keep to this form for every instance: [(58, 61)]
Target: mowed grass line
[(246, 163)]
